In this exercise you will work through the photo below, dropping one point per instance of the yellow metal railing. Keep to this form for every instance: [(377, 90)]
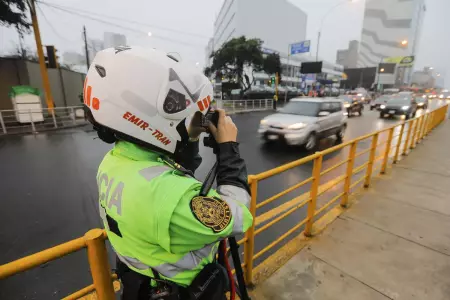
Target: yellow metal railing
[(380, 152)]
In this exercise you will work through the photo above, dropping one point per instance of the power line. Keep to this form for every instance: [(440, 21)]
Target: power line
[(83, 15), (53, 28), (125, 20)]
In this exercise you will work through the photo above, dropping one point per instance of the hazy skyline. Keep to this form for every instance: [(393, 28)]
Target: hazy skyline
[(197, 18)]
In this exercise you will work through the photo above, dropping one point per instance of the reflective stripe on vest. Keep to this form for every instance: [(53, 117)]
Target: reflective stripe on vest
[(153, 172), (232, 195), (188, 262)]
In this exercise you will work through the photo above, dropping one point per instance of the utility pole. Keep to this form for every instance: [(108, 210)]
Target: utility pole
[(88, 63), (40, 52)]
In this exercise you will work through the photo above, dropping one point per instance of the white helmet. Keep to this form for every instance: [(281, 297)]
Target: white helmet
[(144, 95)]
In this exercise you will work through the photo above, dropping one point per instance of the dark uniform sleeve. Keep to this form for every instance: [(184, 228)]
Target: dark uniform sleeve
[(188, 156), (198, 221)]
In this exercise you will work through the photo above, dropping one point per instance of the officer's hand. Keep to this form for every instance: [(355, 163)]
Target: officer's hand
[(195, 128), (226, 131)]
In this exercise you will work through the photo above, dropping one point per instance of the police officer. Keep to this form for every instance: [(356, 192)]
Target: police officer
[(159, 227)]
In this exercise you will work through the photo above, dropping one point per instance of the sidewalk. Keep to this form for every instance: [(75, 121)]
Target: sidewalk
[(393, 243)]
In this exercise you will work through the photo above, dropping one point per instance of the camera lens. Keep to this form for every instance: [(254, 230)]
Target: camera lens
[(174, 102)]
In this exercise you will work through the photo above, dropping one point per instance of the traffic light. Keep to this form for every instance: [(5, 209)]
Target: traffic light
[(51, 60), (272, 80)]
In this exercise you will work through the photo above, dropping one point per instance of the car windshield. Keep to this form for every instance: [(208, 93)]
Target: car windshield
[(302, 108), (346, 98), (382, 99), (420, 99), (400, 100)]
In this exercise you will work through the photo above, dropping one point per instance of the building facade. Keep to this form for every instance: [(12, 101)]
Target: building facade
[(112, 40), (391, 28), (348, 57), (278, 23)]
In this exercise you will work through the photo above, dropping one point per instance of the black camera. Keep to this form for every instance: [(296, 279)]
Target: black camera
[(213, 118)]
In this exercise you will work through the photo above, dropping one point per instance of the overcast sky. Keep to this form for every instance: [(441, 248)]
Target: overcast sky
[(197, 17)]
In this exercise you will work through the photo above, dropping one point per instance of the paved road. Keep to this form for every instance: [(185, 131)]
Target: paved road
[(49, 195)]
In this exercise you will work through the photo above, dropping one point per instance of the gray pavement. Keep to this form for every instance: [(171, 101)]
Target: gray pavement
[(393, 243)]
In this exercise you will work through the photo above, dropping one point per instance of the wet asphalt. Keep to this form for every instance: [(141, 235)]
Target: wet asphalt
[(49, 195)]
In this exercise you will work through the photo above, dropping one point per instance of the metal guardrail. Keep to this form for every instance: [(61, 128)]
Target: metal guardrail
[(64, 117), (234, 106), (399, 139), (29, 121)]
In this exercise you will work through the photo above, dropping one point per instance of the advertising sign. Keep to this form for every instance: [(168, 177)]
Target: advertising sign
[(302, 47), (401, 61)]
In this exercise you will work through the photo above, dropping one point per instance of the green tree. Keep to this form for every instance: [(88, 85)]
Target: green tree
[(13, 13), (272, 65), (235, 57)]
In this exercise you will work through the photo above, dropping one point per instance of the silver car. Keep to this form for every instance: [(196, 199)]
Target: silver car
[(305, 121)]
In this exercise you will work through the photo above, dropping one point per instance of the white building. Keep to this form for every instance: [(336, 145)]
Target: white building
[(278, 23), (388, 23), (112, 40), (348, 57)]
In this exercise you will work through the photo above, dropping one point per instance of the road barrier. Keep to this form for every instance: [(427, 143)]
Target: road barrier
[(391, 142), (234, 106), (35, 120)]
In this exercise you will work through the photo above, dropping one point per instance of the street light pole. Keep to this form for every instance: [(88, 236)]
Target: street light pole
[(323, 19), (40, 52)]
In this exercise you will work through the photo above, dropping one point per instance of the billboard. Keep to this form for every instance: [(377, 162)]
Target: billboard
[(401, 61), (311, 67), (302, 47)]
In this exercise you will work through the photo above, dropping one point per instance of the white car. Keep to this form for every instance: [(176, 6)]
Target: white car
[(304, 121)]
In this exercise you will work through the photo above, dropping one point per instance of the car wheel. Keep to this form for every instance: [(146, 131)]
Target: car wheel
[(340, 134), (311, 142), (371, 108), (408, 116), (381, 116)]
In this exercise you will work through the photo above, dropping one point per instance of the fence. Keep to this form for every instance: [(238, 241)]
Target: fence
[(35, 120), (233, 106), (386, 146)]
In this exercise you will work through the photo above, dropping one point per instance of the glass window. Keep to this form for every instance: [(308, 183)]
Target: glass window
[(336, 106), (326, 106), (302, 108)]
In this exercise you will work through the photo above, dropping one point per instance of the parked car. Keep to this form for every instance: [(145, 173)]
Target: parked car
[(422, 102), (375, 104), (399, 105), (304, 121), (352, 105)]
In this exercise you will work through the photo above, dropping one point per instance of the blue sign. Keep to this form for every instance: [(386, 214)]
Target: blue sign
[(268, 51), (302, 47)]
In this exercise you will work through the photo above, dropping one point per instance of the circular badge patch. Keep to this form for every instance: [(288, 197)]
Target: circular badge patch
[(211, 212)]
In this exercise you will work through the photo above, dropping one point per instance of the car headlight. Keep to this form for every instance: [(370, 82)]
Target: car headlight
[(297, 126), (263, 122), (362, 98), (346, 104), (406, 107), (420, 104), (382, 106), (441, 96)]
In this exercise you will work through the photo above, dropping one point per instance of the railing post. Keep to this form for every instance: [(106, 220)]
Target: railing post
[(72, 113), (408, 136), (349, 174), (422, 130), (2, 123), (55, 125), (234, 104), (98, 262), (249, 245), (313, 194), (245, 105), (399, 143), (373, 151), (253, 104), (387, 151), (414, 133), (419, 126), (33, 128)]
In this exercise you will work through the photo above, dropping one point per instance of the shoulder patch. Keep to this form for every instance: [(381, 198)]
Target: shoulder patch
[(211, 212)]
